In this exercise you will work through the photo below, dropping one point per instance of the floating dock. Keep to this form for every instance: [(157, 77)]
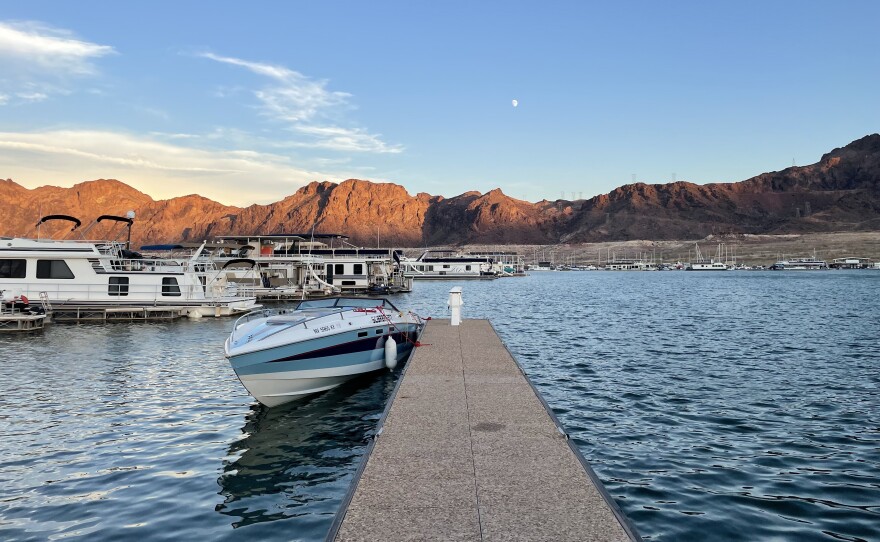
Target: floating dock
[(468, 450), (115, 314), (18, 321)]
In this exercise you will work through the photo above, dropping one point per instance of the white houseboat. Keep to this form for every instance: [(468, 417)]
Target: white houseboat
[(699, 263), (448, 264), (105, 274), (310, 261)]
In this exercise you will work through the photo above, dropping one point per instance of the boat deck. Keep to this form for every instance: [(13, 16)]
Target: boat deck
[(468, 450)]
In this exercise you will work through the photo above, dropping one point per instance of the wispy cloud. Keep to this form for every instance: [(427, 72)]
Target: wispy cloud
[(159, 168), (306, 105), (39, 60), (49, 47), (344, 139), (32, 96)]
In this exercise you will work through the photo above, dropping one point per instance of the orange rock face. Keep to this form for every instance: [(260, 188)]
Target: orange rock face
[(841, 192)]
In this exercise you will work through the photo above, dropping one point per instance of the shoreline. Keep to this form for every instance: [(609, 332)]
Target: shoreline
[(752, 249)]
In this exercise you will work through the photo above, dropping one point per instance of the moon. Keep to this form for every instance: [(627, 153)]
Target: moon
[(514, 102)]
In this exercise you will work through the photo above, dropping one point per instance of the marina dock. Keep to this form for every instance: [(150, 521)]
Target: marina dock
[(79, 314), (468, 450)]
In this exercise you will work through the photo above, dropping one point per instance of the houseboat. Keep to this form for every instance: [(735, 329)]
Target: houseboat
[(106, 274), (448, 264)]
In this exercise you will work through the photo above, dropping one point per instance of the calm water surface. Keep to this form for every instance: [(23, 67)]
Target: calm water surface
[(719, 406)]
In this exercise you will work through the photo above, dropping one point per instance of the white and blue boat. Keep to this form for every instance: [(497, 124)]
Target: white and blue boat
[(283, 355)]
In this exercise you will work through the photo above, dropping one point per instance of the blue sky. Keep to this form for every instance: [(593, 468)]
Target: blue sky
[(246, 102)]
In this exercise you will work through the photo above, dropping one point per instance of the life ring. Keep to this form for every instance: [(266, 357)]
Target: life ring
[(24, 299)]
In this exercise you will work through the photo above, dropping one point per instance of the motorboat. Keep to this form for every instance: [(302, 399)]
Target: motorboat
[(283, 355)]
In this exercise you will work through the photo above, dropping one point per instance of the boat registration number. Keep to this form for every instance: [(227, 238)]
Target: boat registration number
[(328, 327)]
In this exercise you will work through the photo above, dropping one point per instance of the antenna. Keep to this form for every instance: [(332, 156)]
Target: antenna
[(634, 178), (673, 176)]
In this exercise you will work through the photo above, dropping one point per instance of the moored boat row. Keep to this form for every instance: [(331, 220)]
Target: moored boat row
[(101, 274)]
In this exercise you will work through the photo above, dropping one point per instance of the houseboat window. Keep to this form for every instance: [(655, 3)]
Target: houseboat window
[(467, 268), (53, 269), (358, 269), (118, 286), (445, 266), (170, 286), (339, 269), (12, 269)]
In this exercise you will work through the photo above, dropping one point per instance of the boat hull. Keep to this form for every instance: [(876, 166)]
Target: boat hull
[(288, 372)]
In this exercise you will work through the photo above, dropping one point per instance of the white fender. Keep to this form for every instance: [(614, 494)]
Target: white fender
[(390, 353)]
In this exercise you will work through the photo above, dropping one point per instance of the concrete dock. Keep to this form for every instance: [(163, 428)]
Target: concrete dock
[(468, 451)]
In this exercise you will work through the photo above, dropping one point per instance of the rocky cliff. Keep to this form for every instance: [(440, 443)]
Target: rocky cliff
[(839, 193)]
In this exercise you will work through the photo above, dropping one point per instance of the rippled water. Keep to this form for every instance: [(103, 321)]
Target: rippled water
[(726, 406), (714, 406), (119, 431)]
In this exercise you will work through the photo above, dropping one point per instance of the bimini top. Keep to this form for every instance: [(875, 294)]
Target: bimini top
[(293, 236), (346, 302)]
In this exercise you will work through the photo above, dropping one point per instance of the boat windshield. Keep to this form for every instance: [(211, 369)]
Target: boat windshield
[(343, 302)]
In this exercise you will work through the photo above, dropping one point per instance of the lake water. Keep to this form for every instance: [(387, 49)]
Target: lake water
[(724, 406)]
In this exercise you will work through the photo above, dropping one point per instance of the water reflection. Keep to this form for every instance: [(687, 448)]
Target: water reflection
[(298, 459)]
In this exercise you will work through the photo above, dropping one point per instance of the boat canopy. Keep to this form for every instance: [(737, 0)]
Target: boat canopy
[(156, 248), (277, 236), (346, 302), (47, 218), (238, 262), (127, 220)]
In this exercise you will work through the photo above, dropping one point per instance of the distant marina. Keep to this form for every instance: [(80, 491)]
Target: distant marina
[(79, 279)]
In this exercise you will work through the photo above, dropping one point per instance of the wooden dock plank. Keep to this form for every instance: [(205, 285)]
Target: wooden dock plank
[(468, 451)]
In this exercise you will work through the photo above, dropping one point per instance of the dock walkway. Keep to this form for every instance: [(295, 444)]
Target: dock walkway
[(469, 451)]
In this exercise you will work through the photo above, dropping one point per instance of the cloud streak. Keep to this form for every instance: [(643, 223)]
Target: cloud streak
[(159, 168), (38, 60), (305, 105), (48, 47)]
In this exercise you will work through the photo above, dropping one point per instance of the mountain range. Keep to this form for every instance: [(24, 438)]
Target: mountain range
[(841, 192)]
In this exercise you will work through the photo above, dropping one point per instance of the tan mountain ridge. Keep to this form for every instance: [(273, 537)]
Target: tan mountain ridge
[(839, 193)]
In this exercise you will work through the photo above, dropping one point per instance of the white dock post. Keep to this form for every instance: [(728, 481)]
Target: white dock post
[(455, 304)]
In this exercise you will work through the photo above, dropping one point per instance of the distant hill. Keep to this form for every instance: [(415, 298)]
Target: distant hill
[(839, 193)]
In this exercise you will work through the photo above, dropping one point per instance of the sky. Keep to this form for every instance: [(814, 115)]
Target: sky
[(245, 103)]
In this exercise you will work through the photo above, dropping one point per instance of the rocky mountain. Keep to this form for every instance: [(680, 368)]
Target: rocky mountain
[(839, 193)]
